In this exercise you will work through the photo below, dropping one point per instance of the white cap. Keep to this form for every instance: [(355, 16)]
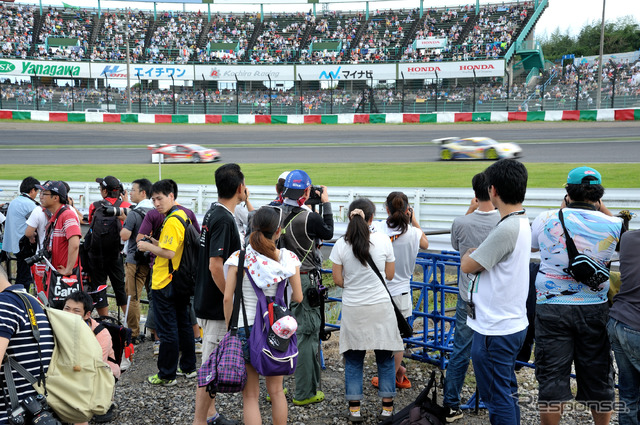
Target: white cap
[(284, 175)]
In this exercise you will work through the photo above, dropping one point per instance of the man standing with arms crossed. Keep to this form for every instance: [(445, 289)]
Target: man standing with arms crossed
[(467, 232), (498, 293), (219, 238)]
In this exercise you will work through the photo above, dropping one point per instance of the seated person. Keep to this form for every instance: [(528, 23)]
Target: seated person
[(81, 303)]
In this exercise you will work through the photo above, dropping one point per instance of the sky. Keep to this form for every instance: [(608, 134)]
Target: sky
[(568, 15)]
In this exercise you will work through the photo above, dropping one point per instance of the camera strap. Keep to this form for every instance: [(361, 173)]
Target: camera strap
[(51, 227)]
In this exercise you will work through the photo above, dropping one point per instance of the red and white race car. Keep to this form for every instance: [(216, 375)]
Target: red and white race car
[(182, 153)]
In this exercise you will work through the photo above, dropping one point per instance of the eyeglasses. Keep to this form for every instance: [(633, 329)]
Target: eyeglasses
[(45, 194)]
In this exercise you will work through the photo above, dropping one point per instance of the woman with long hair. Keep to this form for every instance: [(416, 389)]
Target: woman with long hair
[(368, 320), (407, 238), (267, 264)]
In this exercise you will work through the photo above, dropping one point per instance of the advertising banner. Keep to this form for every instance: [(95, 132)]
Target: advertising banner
[(26, 68), (346, 72), (118, 71), (431, 43), (489, 68), (244, 72)]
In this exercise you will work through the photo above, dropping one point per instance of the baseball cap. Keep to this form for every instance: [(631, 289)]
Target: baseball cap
[(284, 326), (584, 175), (56, 187), (295, 184), (109, 183), (284, 175)]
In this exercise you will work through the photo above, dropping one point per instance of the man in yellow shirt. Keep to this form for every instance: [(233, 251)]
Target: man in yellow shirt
[(171, 310)]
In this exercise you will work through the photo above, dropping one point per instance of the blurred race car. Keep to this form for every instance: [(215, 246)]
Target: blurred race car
[(476, 148), (182, 153)]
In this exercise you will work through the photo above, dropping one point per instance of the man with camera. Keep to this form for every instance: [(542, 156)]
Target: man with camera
[(17, 341), (302, 231), (136, 272), (16, 223), (571, 317), (105, 244), (62, 238)]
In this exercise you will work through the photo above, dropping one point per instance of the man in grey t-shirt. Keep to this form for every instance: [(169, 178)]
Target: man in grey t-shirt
[(135, 274), (468, 231)]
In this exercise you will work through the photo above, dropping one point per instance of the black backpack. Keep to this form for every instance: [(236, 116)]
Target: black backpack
[(184, 277), (423, 411), (105, 230), (120, 337)]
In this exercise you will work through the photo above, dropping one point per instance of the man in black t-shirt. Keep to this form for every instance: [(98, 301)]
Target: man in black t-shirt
[(218, 240)]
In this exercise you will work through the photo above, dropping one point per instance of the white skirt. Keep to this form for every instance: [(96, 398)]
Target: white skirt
[(370, 327)]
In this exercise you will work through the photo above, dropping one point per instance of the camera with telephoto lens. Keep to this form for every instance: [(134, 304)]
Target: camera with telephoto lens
[(143, 257), (38, 257), (314, 195), (33, 410), (113, 211)]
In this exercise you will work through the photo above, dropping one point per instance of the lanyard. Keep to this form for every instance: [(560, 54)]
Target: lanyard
[(521, 212)]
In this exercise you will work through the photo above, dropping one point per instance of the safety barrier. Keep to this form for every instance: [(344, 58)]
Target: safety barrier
[(632, 114)]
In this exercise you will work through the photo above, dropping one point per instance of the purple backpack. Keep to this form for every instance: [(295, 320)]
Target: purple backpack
[(266, 360)]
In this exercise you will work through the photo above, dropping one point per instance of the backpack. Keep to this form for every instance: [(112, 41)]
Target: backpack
[(267, 360), (120, 337), (423, 411), (104, 236), (78, 384), (184, 277)]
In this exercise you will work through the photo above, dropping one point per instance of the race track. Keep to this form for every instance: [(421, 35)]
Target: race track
[(541, 142)]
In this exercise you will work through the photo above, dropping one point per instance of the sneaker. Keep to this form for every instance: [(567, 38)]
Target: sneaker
[(156, 380), (107, 417), (355, 416), (385, 414), (315, 399), (284, 390), (156, 348), (187, 375), (221, 420), (453, 414), (198, 345)]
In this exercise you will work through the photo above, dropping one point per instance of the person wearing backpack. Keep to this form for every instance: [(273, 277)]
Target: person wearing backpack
[(136, 273), (171, 308), (17, 340), (105, 245), (81, 304), (265, 264)]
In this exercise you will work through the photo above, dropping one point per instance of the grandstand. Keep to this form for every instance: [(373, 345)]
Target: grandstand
[(90, 46)]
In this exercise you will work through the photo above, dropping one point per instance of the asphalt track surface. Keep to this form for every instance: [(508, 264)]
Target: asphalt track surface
[(590, 142)]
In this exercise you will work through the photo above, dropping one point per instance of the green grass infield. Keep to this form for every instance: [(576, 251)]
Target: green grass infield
[(425, 174)]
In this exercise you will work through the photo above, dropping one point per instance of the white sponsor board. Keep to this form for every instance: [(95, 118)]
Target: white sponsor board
[(118, 71), (245, 72), (347, 72), (490, 68), (431, 43)]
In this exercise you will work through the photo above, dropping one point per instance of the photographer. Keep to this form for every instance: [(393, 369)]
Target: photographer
[(17, 341), (105, 244), (571, 317), (136, 273), (302, 232)]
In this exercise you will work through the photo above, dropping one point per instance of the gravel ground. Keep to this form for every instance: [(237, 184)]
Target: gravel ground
[(141, 403)]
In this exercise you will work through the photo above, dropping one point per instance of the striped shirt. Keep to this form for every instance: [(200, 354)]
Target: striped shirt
[(14, 325)]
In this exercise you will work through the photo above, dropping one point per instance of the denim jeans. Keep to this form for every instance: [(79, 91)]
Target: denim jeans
[(494, 359), (459, 360), (625, 342), (175, 331), (354, 362)]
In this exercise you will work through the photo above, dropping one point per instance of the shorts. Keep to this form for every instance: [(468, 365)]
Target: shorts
[(100, 299), (404, 304), (212, 333), (577, 334), (245, 343)]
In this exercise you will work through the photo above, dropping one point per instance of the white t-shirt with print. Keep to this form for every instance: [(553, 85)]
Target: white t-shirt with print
[(361, 284), (500, 291)]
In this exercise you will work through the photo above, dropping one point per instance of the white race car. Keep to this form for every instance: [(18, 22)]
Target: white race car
[(476, 148)]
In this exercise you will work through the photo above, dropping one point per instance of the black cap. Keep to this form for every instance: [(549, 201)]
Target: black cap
[(109, 183), (55, 187)]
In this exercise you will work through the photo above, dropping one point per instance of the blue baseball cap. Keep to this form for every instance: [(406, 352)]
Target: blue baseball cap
[(584, 175), (295, 184)]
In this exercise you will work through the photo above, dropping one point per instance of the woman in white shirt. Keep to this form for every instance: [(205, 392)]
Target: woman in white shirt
[(407, 238), (368, 320), (267, 264)]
